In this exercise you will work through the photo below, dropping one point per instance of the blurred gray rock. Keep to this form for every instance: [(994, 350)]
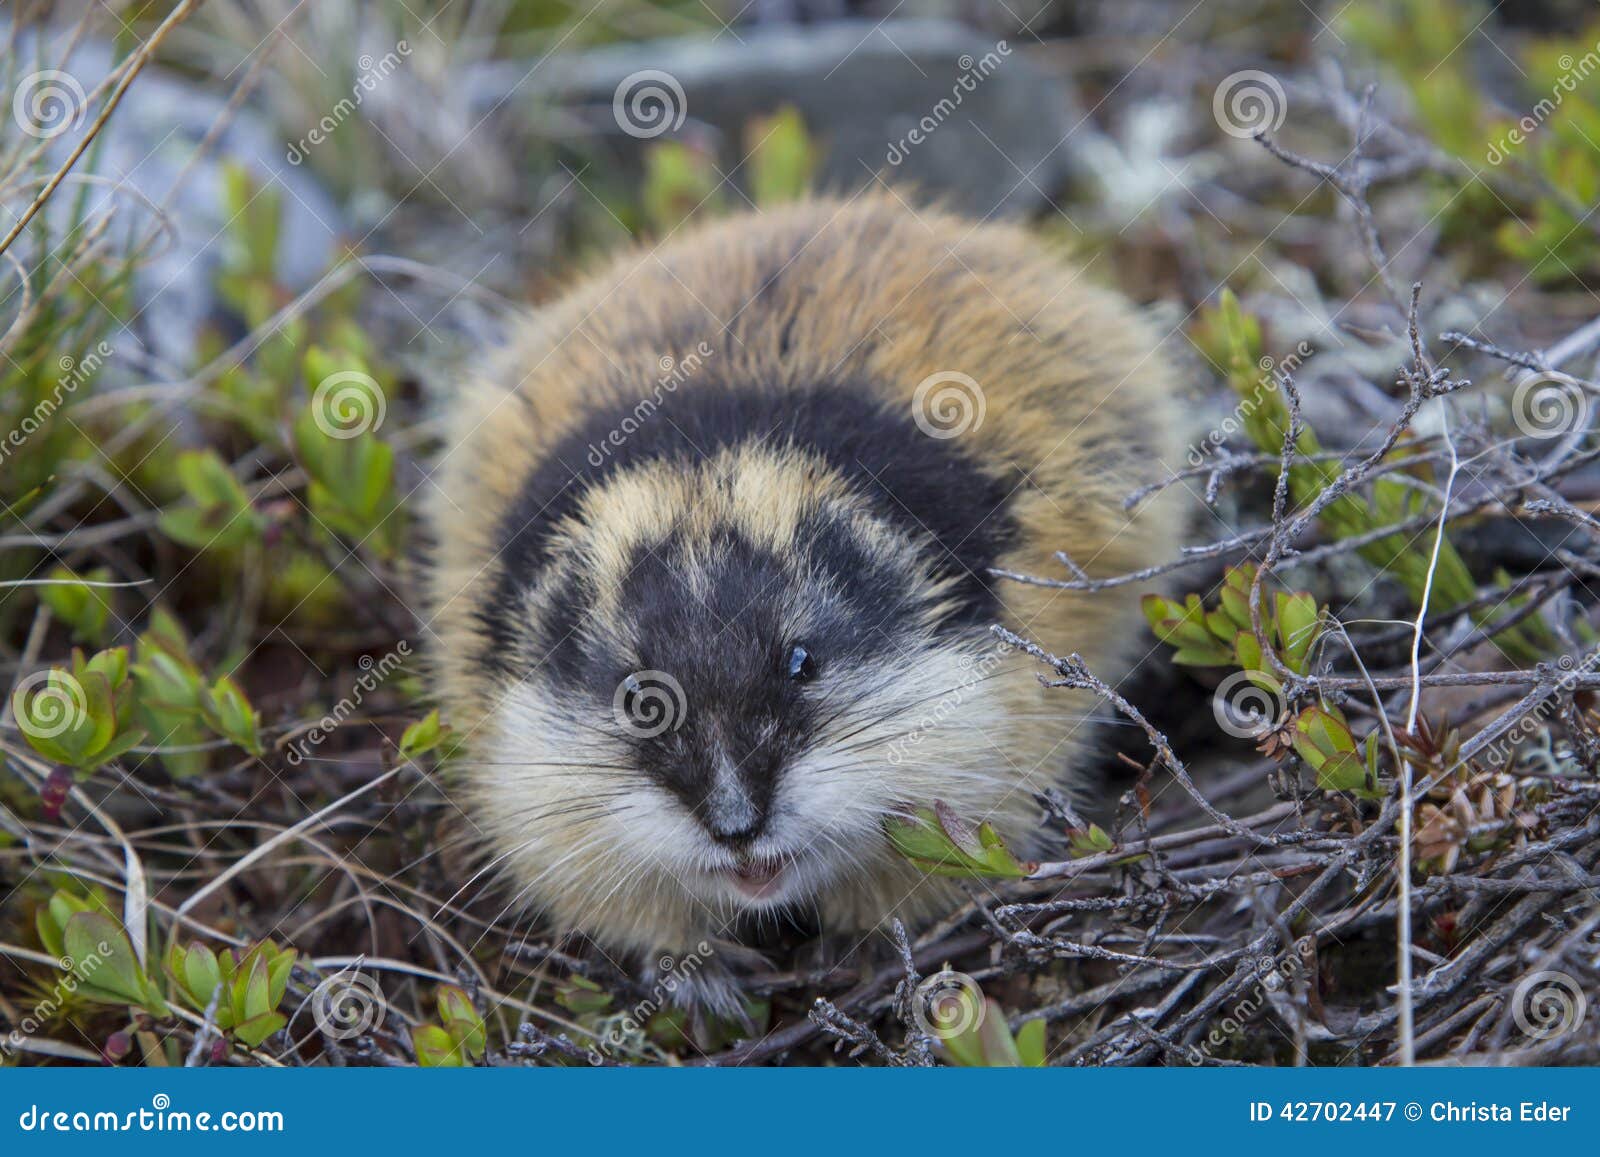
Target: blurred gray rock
[(151, 137), (922, 102)]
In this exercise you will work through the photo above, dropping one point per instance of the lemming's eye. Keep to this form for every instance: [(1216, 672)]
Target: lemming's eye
[(630, 693), (802, 666)]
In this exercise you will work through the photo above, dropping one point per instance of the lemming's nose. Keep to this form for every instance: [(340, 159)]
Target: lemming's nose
[(728, 813), (734, 832)]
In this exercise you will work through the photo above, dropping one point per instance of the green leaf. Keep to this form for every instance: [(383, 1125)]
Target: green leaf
[(218, 514), (678, 181), (1247, 652), (167, 684), (1090, 841), (251, 254), (189, 526), (583, 997), (984, 1039), (68, 719), (124, 742), (455, 1004), (352, 472), (1343, 772), (779, 157), (84, 608), (435, 1048), (113, 664), (229, 714), (255, 983), (62, 906), (165, 634), (1325, 730), (198, 975), (1031, 1043), (1221, 626), (1234, 597), (257, 990), (966, 1048), (280, 963), (1202, 657), (422, 736), (943, 844), (207, 481), (1157, 610), (1186, 628), (1323, 739), (999, 1048), (462, 1022), (256, 1029), (1298, 624), (100, 950)]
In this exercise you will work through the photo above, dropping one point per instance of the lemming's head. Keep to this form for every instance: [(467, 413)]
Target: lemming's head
[(720, 668)]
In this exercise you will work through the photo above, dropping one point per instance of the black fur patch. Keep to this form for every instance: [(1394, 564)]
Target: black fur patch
[(724, 636), (725, 646), (929, 487)]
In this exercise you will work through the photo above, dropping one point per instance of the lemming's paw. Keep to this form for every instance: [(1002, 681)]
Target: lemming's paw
[(708, 980)]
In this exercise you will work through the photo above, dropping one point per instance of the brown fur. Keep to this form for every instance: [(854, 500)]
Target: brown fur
[(1076, 399)]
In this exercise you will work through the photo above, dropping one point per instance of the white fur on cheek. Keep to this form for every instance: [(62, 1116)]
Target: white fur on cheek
[(913, 732), (594, 848), (602, 849)]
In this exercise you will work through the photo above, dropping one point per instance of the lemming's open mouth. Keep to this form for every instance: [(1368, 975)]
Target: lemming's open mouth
[(757, 878)]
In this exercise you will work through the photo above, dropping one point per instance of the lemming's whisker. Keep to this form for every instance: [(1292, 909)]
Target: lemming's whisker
[(527, 815), (912, 705), (558, 811), (542, 763), (531, 885), (889, 678), (609, 776)]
